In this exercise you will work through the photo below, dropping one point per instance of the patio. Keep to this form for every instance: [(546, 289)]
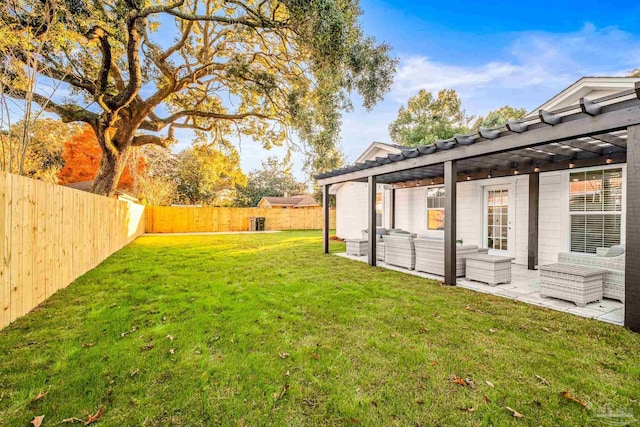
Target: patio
[(592, 133), (525, 287)]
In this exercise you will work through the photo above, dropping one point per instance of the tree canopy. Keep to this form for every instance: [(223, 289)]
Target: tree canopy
[(34, 148), (426, 118), (274, 178), (499, 117), (137, 70), (207, 175)]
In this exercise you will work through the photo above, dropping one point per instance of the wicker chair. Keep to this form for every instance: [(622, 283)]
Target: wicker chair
[(608, 259), (399, 250), (379, 242), (430, 256)]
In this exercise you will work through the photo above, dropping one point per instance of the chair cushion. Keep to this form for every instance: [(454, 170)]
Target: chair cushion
[(616, 250)]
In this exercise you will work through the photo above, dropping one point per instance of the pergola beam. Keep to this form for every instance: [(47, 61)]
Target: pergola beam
[(372, 191), (325, 222), (614, 117), (450, 186), (632, 242), (534, 209)]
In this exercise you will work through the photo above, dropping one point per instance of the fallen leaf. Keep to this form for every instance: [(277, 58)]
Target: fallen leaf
[(489, 383), (493, 331), (354, 421), (37, 421), (95, 417), (515, 413), (172, 351), (486, 399), (147, 347), (433, 363), (38, 397), (420, 402), (134, 372), (463, 382), (286, 374), (112, 305), (170, 338), (568, 395), (283, 355), (315, 356), (88, 344), (468, 409), (546, 329)]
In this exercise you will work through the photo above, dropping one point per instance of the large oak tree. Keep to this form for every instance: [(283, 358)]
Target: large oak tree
[(136, 70)]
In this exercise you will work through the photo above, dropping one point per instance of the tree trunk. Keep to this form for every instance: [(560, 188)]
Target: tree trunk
[(111, 167)]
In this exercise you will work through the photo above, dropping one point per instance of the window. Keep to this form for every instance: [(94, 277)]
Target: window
[(435, 208), (379, 209), (595, 206)]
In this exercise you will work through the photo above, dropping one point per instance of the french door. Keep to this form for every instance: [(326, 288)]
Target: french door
[(497, 220)]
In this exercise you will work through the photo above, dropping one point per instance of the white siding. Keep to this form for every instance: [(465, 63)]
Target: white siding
[(351, 210), (552, 220), (411, 213)]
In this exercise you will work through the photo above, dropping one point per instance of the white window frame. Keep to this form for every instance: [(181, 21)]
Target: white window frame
[(567, 198), (426, 202)]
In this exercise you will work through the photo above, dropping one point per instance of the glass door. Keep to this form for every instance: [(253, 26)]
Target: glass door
[(497, 224)]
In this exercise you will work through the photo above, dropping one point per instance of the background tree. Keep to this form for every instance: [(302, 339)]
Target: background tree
[(274, 178), (634, 73), (261, 69), (39, 158), (427, 118), (499, 117), (154, 180), (81, 157), (208, 175)]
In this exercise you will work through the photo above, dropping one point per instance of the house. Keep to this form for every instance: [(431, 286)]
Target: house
[(288, 202), (555, 182)]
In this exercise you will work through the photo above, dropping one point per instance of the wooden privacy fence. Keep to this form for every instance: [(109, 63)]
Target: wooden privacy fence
[(51, 235), (179, 219)]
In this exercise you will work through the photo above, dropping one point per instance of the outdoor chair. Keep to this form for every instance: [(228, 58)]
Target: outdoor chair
[(399, 250), (430, 256), (610, 259)]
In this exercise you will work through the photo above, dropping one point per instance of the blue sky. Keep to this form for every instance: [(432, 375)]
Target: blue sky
[(516, 53)]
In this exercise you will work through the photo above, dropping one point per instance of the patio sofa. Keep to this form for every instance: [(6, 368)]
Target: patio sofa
[(430, 256), (610, 259), (399, 250)]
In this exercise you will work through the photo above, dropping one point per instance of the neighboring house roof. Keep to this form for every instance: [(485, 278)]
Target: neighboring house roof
[(586, 87), (86, 186), (305, 200)]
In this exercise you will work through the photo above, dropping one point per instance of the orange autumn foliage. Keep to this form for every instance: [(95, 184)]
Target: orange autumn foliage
[(82, 155)]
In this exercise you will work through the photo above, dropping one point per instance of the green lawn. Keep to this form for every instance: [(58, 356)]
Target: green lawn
[(265, 330)]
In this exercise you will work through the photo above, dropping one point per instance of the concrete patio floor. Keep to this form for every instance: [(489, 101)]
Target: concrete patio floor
[(525, 287)]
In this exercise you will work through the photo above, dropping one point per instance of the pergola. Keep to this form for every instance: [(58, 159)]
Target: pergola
[(592, 133)]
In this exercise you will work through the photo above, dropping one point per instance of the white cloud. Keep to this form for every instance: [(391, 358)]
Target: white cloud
[(533, 61), (531, 69)]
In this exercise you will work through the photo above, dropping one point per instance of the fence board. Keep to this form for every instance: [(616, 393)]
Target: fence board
[(179, 219), (50, 235)]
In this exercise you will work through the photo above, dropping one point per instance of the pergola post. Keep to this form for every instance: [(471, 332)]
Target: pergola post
[(325, 223), (372, 191), (534, 209), (392, 214), (450, 183), (632, 243)]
